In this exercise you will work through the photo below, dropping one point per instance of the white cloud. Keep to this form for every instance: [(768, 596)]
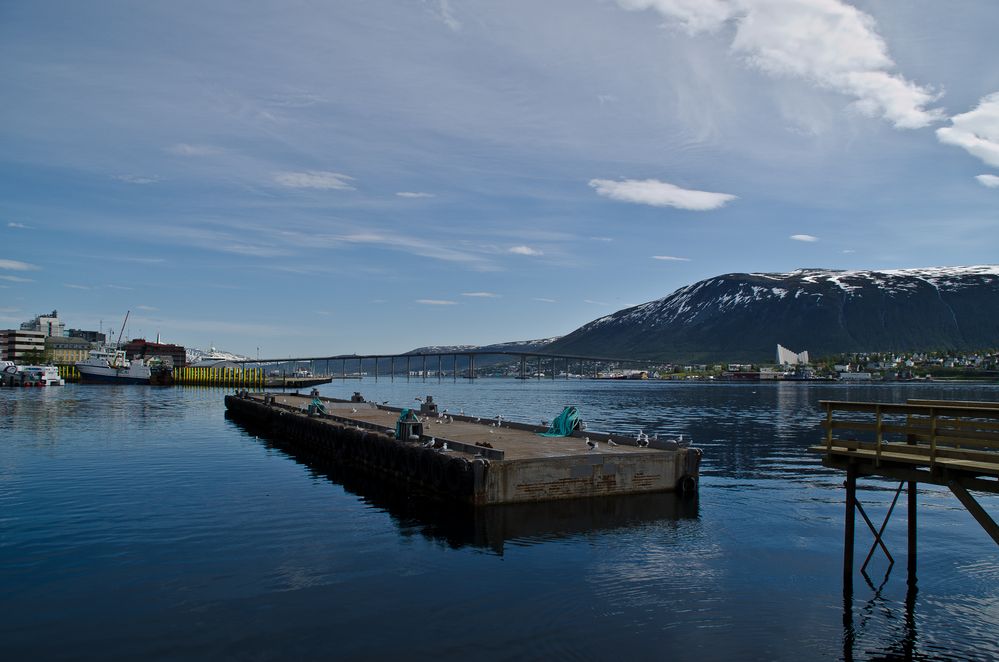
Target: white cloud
[(848, 251), (988, 180), (803, 237), (136, 179), (14, 265), (976, 131), (436, 302), (447, 16), (827, 43), (671, 258), (544, 300), (414, 194), (596, 303), (74, 286), (121, 287), (22, 226), (659, 194), (526, 250), (16, 279), (318, 179), (484, 295), (184, 149), (147, 308)]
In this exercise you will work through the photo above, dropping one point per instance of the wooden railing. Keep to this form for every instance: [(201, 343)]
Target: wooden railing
[(962, 435)]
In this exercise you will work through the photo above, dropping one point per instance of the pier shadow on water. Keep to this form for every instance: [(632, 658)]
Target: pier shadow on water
[(486, 527)]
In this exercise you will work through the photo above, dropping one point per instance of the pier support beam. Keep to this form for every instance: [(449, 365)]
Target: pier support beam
[(911, 575), (848, 528)]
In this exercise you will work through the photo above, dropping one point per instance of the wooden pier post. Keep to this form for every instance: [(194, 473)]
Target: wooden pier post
[(848, 529), (911, 581)]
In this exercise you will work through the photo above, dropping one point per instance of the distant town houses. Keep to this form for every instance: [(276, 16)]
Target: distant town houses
[(45, 339)]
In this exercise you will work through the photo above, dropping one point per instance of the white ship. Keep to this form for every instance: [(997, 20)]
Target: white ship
[(111, 366), (214, 359)]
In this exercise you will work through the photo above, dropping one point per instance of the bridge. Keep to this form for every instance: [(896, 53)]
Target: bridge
[(539, 359)]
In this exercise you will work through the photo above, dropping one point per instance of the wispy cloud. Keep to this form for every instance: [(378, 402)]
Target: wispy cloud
[(447, 16), (185, 149), (670, 258), (526, 250), (317, 179), (827, 43), (436, 302), (147, 308), (15, 265), (75, 286), (119, 287), (20, 226), (976, 131), (484, 295), (659, 194), (803, 237), (988, 180), (417, 246), (545, 300), (596, 303), (136, 179), (16, 279), (414, 194)]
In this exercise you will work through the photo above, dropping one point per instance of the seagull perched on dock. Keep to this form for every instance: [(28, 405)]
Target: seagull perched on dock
[(431, 443), (353, 410), (643, 442), (611, 442), (591, 444), (444, 447), (478, 420)]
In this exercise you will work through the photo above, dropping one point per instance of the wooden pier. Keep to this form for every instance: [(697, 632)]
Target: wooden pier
[(476, 461), (949, 443)]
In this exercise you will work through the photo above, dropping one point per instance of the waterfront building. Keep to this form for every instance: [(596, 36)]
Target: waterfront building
[(140, 348), (786, 356), (48, 324), (66, 351), (95, 337), (17, 345)]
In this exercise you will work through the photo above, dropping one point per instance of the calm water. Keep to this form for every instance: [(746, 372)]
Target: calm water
[(140, 523)]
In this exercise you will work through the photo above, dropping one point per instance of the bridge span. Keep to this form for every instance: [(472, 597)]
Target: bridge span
[(460, 362)]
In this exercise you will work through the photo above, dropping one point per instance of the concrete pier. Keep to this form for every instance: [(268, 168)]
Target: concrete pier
[(485, 461)]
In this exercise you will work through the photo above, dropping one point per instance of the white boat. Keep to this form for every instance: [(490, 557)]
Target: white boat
[(111, 366), (42, 375), (214, 359)]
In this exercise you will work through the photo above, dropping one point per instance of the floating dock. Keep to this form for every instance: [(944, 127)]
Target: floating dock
[(472, 460)]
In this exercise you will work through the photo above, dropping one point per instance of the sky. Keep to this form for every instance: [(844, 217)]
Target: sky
[(306, 178)]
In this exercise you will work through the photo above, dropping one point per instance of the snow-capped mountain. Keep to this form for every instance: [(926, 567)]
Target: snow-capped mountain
[(744, 316), (514, 346)]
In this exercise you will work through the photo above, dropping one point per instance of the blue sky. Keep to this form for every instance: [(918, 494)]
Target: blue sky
[(316, 178)]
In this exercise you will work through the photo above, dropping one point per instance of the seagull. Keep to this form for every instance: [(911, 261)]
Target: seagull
[(611, 442), (492, 425), (444, 447), (478, 420), (655, 437), (461, 412), (592, 444), (490, 431), (353, 410), (431, 443), (643, 443)]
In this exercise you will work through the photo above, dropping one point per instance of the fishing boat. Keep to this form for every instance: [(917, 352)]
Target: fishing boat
[(107, 365), (110, 365)]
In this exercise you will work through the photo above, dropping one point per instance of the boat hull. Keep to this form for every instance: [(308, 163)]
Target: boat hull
[(106, 375)]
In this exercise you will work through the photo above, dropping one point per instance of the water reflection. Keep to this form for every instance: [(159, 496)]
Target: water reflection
[(489, 527)]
